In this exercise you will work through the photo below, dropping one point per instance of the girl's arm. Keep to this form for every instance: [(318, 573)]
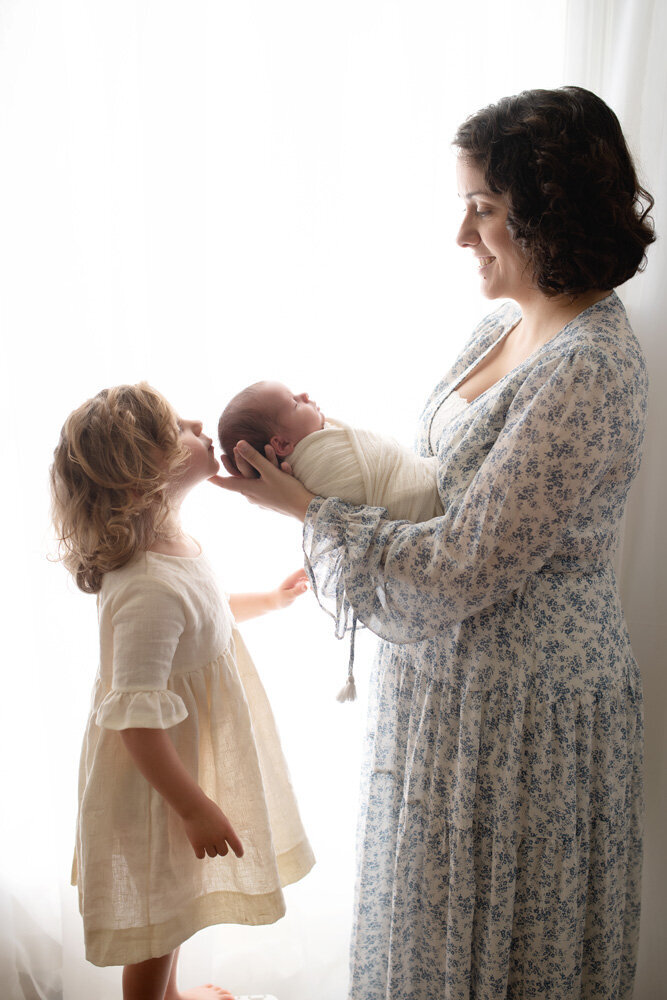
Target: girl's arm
[(245, 606), (207, 828)]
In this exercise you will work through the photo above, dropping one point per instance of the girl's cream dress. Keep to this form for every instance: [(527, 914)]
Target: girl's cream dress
[(172, 658)]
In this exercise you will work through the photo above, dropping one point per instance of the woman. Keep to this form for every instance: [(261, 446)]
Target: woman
[(500, 831)]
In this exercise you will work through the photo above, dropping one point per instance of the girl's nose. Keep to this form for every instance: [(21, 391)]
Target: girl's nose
[(197, 427)]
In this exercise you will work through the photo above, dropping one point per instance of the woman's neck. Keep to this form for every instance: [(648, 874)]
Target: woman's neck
[(542, 317)]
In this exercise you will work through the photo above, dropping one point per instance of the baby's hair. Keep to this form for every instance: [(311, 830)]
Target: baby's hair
[(244, 419), (115, 456)]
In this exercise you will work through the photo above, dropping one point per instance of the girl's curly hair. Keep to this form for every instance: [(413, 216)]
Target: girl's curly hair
[(116, 455), (575, 206)]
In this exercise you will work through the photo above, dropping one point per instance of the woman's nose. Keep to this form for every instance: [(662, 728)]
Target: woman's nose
[(467, 235)]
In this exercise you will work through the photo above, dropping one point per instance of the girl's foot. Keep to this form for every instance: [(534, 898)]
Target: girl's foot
[(207, 992)]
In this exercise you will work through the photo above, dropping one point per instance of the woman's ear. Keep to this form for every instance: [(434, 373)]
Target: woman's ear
[(281, 446)]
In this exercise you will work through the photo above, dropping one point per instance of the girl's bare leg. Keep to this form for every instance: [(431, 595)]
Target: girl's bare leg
[(207, 992), (147, 980)]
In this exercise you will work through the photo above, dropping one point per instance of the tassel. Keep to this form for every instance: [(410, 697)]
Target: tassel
[(349, 691)]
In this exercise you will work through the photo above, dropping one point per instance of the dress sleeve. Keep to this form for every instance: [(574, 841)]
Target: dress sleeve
[(147, 621), (569, 421)]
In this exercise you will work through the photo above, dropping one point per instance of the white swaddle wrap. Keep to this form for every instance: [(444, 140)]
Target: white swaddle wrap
[(367, 468)]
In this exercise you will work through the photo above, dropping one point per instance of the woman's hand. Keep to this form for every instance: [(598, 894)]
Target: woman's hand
[(262, 482), (210, 832)]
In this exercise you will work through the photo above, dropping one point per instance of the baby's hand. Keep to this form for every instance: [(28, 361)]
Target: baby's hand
[(290, 589), (210, 832)]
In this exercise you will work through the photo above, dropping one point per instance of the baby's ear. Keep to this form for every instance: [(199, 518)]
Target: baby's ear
[(281, 446)]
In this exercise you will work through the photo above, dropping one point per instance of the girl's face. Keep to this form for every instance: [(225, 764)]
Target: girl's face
[(502, 266), (202, 463)]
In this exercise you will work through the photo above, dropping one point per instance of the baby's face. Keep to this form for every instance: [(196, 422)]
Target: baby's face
[(296, 416)]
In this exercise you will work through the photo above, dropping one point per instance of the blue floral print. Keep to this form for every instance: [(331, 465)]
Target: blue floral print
[(499, 850)]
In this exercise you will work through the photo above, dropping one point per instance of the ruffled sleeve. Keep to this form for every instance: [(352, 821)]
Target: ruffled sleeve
[(572, 422), (147, 621)]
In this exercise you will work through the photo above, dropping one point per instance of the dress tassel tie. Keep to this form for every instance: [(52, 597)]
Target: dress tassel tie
[(349, 691)]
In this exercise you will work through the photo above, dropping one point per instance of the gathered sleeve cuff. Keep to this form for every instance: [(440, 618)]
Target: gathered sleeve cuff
[(141, 710), (334, 531)]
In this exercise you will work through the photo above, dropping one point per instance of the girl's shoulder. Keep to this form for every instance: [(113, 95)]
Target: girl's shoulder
[(153, 574)]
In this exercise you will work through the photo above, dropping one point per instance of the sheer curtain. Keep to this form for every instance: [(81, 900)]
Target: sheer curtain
[(203, 194), (617, 49)]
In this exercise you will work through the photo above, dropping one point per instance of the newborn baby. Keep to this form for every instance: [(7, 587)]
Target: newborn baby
[(328, 457)]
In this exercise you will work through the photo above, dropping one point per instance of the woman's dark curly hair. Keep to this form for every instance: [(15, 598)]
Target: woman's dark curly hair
[(575, 206)]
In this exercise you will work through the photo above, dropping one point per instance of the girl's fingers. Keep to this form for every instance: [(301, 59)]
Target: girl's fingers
[(293, 579), (235, 844)]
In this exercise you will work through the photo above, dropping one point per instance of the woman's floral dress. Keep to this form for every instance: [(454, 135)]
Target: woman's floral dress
[(500, 827)]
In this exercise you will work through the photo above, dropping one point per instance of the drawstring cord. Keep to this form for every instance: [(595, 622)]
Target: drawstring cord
[(349, 691)]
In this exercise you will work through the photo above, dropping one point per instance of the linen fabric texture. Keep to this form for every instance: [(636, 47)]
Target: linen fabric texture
[(363, 467), (172, 658), (499, 840)]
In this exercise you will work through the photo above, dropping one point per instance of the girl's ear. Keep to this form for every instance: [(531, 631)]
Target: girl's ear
[(281, 446)]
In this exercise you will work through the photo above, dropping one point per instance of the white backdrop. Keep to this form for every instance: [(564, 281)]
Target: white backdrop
[(203, 194)]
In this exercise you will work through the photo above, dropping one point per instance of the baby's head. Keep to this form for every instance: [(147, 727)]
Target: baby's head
[(268, 413)]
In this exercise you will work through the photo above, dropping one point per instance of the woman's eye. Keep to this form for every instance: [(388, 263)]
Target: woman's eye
[(481, 213)]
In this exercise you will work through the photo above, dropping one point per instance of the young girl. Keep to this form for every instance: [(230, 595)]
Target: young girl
[(180, 727)]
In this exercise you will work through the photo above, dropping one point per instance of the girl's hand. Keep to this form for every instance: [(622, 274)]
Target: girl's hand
[(210, 832), (291, 588), (263, 483)]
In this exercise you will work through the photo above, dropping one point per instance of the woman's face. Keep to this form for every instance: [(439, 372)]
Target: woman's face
[(502, 266)]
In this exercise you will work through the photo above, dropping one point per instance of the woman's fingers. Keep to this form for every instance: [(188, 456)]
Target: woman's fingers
[(228, 467), (244, 463), (271, 456)]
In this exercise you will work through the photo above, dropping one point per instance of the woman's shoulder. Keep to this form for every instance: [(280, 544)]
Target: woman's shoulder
[(603, 337), (493, 325)]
